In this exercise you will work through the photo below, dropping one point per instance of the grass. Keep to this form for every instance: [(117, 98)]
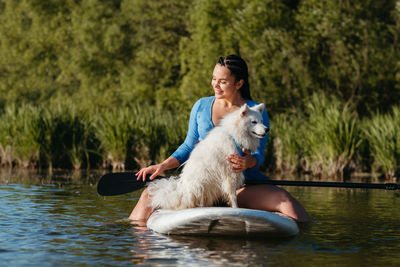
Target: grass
[(324, 140), (136, 136), (17, 130), (286, 136), (65, 137), (327, 139), (382, 136), (331, 135), (114, 129)]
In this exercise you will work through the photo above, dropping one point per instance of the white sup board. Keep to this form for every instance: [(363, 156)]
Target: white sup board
[(222, 221)]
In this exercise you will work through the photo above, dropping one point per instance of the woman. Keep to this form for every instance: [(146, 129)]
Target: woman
[(231, 90)]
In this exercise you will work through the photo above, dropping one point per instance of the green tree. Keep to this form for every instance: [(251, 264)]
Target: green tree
[(154, 73), (211, 36), (34, 34), (350, 50), (267, 41)]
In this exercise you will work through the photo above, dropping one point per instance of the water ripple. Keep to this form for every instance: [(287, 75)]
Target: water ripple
[(51, 224)]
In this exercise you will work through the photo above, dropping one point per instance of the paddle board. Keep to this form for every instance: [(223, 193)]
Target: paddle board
[(222, 221)]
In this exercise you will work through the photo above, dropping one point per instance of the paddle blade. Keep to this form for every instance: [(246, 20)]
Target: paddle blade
[(118, 183)]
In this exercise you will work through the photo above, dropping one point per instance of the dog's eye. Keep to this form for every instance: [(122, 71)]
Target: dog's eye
[(254, 122)]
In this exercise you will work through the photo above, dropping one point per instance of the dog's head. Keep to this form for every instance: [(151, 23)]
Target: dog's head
[(252, 117)]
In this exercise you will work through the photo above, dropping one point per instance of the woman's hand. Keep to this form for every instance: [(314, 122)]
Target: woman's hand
[(157, 169), (240, 163), (154, 169)]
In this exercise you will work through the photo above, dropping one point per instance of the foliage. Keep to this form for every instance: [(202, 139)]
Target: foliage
[(324, 140), (287, 133), (105, 53), (382, 134), (65, 137), (108, 51), (211, 36), (114, 130), (105, 57), (17, 130), (332, 136)]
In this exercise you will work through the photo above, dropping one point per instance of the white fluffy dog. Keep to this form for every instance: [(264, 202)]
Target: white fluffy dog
[(207, 176)]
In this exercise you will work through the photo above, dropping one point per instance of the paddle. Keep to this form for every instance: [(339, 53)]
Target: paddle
[(118, 183)]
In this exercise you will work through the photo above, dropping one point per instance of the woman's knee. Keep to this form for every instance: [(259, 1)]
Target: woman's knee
[(145, 193), (145, 196), (144, 199), (142, 208)]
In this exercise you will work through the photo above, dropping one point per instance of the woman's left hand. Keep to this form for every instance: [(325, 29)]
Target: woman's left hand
[(242, 163)]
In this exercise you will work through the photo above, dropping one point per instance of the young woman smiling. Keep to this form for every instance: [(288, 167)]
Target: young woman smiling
[(231, 90)]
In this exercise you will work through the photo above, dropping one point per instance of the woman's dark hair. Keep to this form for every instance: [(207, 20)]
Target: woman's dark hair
[(238, 68)]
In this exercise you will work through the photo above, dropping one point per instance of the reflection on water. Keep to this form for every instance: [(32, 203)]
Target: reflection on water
[(59, 219)]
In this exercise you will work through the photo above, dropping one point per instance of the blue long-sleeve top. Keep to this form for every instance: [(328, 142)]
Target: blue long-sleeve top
[(200, 123)]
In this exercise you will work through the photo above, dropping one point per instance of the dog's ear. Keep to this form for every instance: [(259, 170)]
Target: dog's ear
[(243, 110), (260, 108)]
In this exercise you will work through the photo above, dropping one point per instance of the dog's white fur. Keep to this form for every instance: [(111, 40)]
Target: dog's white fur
[(207, 176)]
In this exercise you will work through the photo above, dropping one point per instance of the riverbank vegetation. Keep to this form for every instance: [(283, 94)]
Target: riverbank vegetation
[(93, 84), (65, 136), (327, 139)]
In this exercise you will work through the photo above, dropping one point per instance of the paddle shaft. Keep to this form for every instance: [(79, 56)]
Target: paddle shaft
[(113, 184), (387, 186)]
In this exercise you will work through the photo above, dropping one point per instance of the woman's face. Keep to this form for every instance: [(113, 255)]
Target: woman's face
[(224, 83)]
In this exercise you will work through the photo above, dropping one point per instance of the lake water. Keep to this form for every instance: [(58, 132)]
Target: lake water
[(59, 220)]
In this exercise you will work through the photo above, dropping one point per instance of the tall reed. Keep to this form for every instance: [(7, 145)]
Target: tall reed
[(162, 133), (65, 136), (286, 135), (382, 133), (137, 135), (331, 138), (325, 139), (17, 129), (114, 130)]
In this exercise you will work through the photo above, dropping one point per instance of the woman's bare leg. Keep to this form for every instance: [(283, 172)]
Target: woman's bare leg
[(142, 210), (271, 198), (261, 197)]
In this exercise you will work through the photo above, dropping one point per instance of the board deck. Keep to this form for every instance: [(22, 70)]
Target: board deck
[(222, 221)]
